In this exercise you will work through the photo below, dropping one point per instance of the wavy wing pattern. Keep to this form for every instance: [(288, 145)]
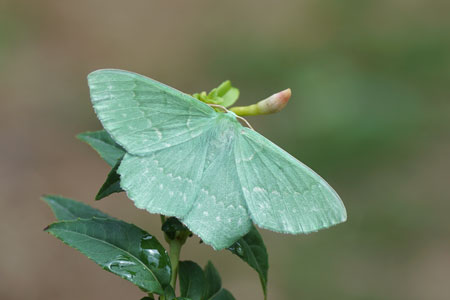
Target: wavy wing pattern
[(144, 115), (281, 193), (186, 160), (196, 181)]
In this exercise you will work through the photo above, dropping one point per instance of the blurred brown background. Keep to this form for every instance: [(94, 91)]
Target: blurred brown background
[(370, 113)]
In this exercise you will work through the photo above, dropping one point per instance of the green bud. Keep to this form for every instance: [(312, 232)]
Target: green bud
[(270, 105), (225, 94)]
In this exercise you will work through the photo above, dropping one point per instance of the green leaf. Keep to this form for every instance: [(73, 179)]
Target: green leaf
[(213, 281), (251, 249), (227, 94), (201, 285), (192, 280), (223, 294), (224, 95), (112, 183), (223, 88), (169, 293), (112, 153), (213, 289), (68, 209), (120, 248), (105, 146), (230, 97)]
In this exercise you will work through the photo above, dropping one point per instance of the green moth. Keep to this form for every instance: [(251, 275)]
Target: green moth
[(185, 159)]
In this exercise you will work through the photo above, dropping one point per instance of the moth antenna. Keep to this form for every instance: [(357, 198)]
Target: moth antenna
[(246, 122), (228, 111), (219, 106)]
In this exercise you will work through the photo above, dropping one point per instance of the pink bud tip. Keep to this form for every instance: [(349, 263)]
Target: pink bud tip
[(274, 103), (283, 97)]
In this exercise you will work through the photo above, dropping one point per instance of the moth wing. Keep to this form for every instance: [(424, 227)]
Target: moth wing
[(196, 181), (165, 181), (282, 194), (144, 115), (219, 215)]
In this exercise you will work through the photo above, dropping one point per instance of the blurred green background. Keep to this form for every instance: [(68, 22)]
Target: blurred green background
[(369, 112)]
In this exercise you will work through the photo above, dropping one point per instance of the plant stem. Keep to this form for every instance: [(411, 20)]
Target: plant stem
[(175, 240), (174, 254)]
